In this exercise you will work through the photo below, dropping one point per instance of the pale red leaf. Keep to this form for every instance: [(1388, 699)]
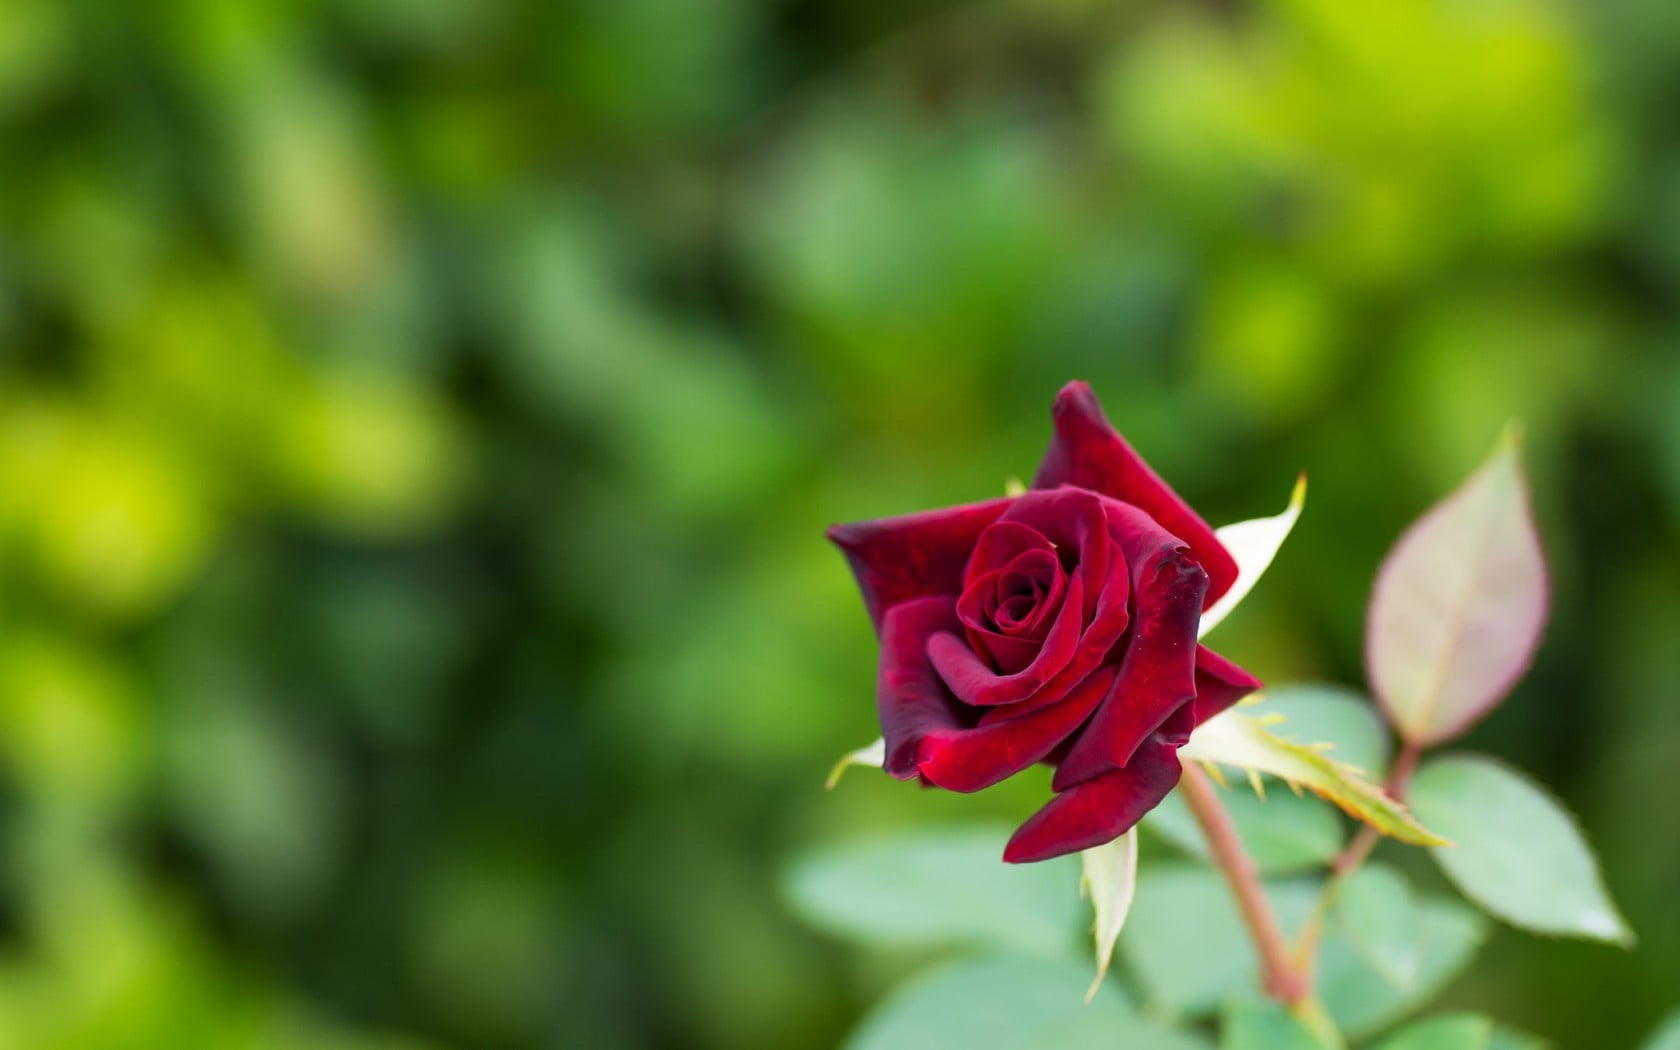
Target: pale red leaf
[(1458, 606)]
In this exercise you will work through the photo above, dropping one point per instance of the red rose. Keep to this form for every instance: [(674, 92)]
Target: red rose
[(1056, 626)]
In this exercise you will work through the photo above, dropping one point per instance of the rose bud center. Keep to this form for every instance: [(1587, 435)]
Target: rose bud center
[(1011, 598)]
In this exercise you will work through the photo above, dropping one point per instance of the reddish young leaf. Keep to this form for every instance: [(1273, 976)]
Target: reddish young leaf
[(1458, 606)]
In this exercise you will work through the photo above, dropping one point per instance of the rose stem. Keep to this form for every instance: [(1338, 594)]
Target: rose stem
[(1282, 979), (1348, 861)]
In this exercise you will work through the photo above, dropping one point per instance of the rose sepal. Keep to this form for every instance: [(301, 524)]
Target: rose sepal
[(1252, 544), (873, 755), (1109, 878), (1246, 741)]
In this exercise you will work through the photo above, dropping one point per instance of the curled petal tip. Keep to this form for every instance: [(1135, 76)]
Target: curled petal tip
[(1076, 394)]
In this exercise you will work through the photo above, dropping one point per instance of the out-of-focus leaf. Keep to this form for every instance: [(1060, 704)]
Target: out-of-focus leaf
[(373, 453), (255, 795), (1317, 714), (1454, 1032), (1184, 941), (1518, 853), (1380, 920), (1009, 1003), (1264, 1025), (904, 252), (935, 886), (1110, 877), (116, 520), (1361, 1001), (1666, 1036), (1238, 739), (1253, 544), (1284, 833), (1458, 605), (1510, 1039), (70, 727)]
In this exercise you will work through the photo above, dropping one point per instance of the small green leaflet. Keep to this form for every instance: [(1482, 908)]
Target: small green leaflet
[(1264, 1025), (1519, 854), (1110, 877), (1451, 1032), (1379, 916), (1346, 720), (1009, 1002), (1362, 1001), (1284, 834), (933, 887), (1236, 738), (1667, 1035)]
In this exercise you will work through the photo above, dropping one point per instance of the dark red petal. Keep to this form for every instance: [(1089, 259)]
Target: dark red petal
[(1219, 683), (1087, 451), (914, 556), (1097, 590), (972, 759), (1002, 543), (909, 696), (975, 683), (983, 599), (1099, 810), (1158, 671), (1074, 522)]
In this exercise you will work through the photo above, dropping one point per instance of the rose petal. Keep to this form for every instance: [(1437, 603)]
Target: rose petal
[(1088, 452), (1219, 683), (981, 602), (972, 759), (909, 696), (1158, 671), (1008, 655), (974, 683), (1001, 543), (1106, 807), (914, 556), (1092, 618), (1073, 521)]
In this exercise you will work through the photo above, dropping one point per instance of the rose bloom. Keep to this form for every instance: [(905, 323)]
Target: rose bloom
[(1057, 626)]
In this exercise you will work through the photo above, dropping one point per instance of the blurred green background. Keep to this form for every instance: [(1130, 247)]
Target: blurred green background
[(418, 420)]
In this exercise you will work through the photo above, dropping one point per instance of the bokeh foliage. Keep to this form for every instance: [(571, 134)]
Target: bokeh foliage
[(418, 420)]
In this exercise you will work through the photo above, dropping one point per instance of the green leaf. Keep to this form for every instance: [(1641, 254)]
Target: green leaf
[(1380, 920), (1667, 1034), (1452, 1032), (1518, 853), (1253, 544), (1009, 1003), (1458, 606), (1110, 877), (1510, 1039), (1185, 942), (932, 887), (1284, 833), (1361, 1001), (1264, 1025), (1317, 714), (1238, 739)]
